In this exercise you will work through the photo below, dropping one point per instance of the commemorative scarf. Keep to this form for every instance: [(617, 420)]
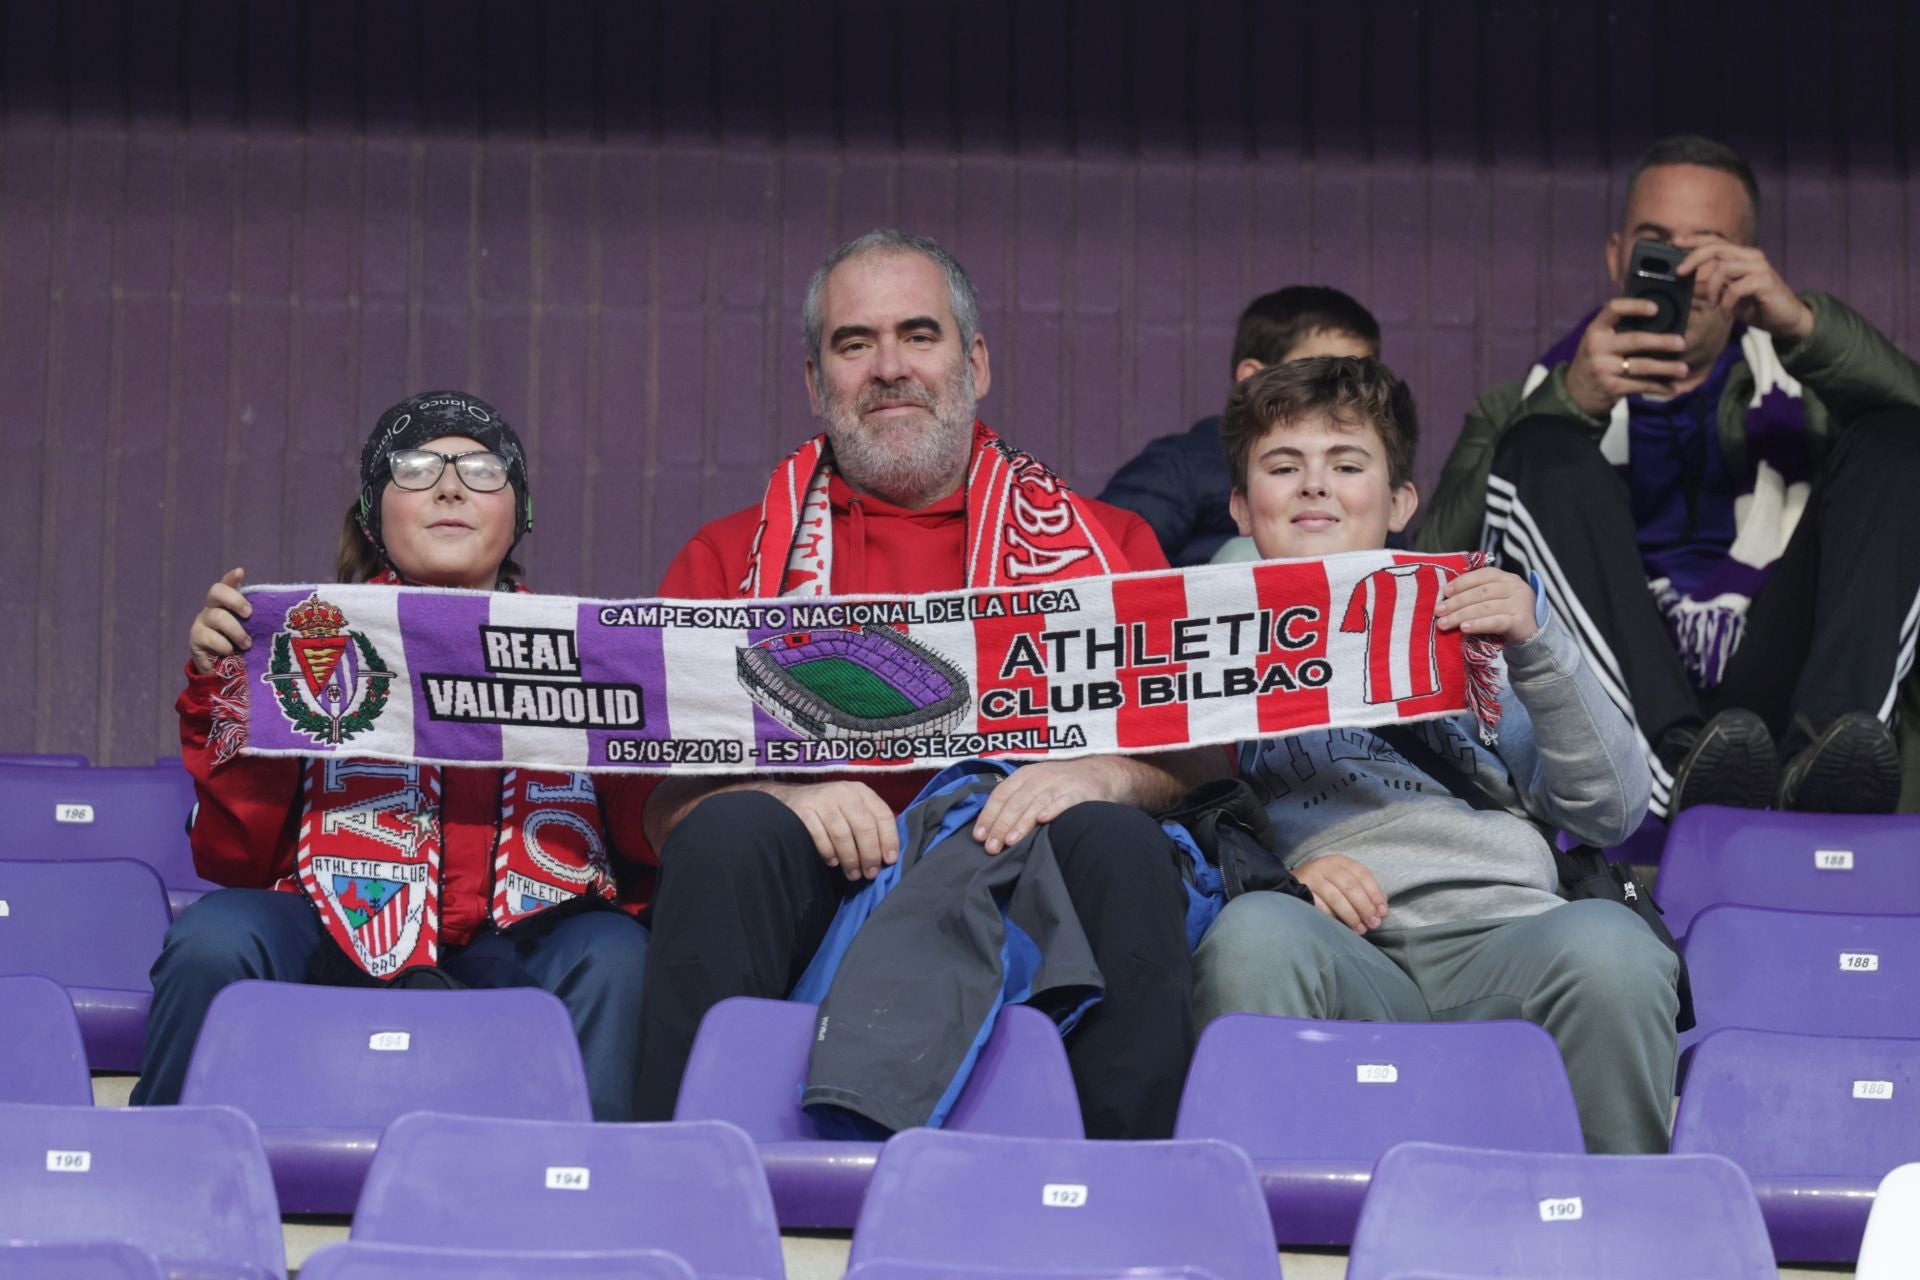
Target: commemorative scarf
[(1024, 525), (368, 852), (1708, 620), (1078, 666)]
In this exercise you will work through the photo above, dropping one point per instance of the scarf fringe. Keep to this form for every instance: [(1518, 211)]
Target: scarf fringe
[(228, 729), (1482, 655)]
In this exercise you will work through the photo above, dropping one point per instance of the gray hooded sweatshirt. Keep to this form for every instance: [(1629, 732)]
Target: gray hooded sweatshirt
[(1566, 759)]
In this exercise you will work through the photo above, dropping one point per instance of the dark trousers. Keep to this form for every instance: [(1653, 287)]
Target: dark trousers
[(744, 901), (1832, 630), (593, 961)]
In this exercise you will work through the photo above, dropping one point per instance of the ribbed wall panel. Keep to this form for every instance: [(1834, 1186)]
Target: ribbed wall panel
[(231, 232)]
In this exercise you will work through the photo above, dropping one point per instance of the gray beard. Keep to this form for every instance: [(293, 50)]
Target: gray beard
[(905, 466)]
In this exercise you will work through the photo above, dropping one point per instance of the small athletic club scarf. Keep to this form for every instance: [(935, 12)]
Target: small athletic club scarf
[(1024, 525), (1074, 667), (1708, 620)]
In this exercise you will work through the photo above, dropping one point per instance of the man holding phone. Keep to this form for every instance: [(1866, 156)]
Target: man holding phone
[(1719, 489)]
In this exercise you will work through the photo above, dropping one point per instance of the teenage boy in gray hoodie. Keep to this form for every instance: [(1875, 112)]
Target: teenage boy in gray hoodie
[(1426, 907)]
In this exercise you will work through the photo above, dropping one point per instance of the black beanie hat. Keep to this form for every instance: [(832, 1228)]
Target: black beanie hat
[(428, 416)]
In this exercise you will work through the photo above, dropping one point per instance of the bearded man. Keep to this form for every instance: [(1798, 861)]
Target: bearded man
[(906, 492)]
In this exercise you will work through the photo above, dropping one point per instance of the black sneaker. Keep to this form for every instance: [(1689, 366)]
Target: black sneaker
[(1730, 761), (1853, 766)]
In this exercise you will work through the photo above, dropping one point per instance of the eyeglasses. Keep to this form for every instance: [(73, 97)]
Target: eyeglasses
[(480, 471)]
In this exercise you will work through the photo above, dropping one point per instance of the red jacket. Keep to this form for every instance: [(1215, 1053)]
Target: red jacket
[(878, 549), (243, 834)]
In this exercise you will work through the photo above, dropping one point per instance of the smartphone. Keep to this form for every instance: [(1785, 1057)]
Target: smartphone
[(1652, 273)]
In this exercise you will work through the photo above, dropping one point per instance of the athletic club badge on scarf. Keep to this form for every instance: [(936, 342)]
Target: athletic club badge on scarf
[(1071, 667)]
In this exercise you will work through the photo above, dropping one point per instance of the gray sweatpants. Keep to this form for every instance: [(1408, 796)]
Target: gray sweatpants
[(1590, 972)]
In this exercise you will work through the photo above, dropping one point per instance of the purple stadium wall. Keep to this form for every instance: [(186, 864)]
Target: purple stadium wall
[(231, 232)]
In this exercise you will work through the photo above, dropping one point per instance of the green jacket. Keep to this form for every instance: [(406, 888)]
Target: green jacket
[(1845, 368)]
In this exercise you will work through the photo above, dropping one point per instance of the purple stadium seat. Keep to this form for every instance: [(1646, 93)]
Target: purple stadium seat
[(77, 815), (1794, 861), (188, 1184), (1816, 1122), (1316, 1103), (95, 1260), (42, 1058), (1804, 971), (750, 1061), (95, 928), (692, 1189), (62, 761), (1892, 1244), (357, 1260), (1463, 1211), (322, 1070), (890, 1269), (1063, 1206)]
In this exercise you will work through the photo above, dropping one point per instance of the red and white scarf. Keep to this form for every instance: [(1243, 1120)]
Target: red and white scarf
[(1024, 525)]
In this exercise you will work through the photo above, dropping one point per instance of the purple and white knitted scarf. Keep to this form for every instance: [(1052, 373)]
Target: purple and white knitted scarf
[(1707, 622)]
